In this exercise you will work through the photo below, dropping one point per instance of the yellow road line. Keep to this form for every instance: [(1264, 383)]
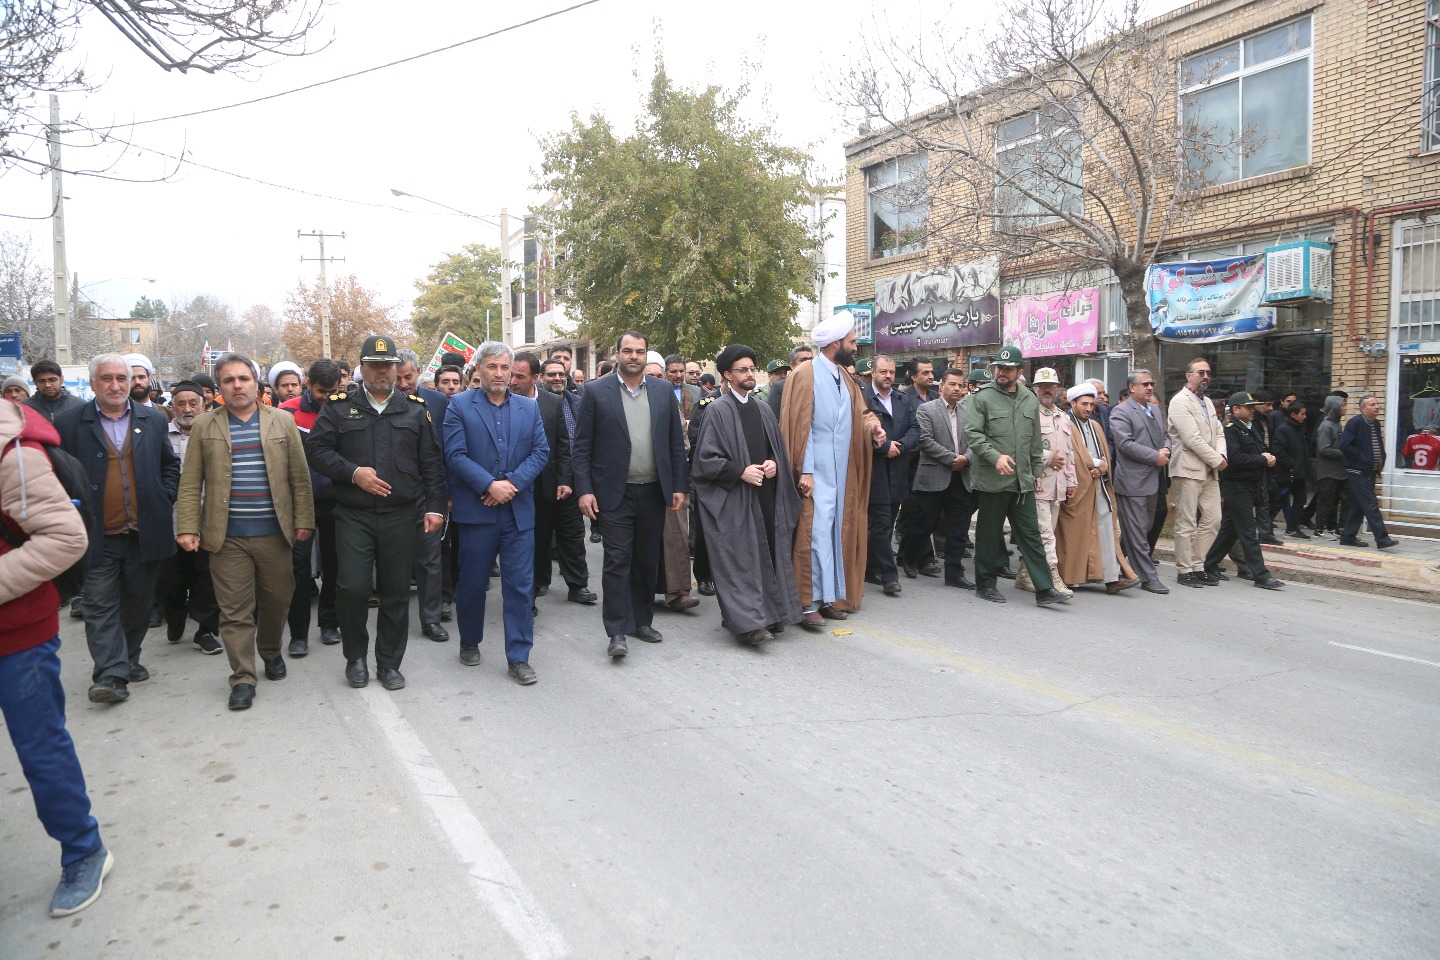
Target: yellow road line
[(1165, 728)]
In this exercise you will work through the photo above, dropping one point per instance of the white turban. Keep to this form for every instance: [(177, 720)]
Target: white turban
[(285, 366), (140, 360), (834, 328), (1080, 390), (655, 358)]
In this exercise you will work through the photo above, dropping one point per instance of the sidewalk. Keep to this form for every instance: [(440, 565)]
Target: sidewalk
[(1411, 570)]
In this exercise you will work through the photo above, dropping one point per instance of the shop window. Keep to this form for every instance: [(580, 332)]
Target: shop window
[(1417, 299), (1418, 416), (1038, 169), (1246, 106), (897, 205)]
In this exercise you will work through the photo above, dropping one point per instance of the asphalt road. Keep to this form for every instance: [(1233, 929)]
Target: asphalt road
[(1208, 774)]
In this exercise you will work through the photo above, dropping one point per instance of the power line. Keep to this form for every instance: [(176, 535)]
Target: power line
[(361, 73)]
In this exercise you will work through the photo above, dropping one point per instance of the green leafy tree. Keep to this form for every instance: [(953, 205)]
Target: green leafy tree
[(688, 230), (148, 309), (456, 295)]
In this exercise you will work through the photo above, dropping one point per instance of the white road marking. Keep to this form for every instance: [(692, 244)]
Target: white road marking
[(1382, 653), (496, 883)]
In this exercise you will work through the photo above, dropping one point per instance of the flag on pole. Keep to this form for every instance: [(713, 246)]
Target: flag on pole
[(229, 346), (205, 353)]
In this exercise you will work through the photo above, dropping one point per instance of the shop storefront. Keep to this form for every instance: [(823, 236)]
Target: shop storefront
[(943, 315), (1411, 485), (1072, 323)]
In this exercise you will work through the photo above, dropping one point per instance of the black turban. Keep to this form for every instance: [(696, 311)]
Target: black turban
[(731, 355)]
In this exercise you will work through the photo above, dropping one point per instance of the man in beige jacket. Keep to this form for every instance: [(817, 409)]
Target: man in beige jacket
[(1197, 455), (245, 498)]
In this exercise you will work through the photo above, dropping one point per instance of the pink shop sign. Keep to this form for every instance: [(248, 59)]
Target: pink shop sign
[(1057, 325)]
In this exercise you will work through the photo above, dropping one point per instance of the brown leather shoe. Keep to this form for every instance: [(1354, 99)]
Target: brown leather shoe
[(757, 637), (832, 612), (683, 602), (813, 620)]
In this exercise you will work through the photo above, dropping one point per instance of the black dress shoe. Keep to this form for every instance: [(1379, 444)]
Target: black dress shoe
[(706, 588), (542, 589), (174, 631), (1196, 580), (357, 673), (329, 635), (435, 632), (138, 673), (241, 696), (1269, 583), (909, 570), (595, 538), (275, 669), (581, 595), (109, 690), (1244, 574), (1273, 541), (892, 589), (447, 611), (1297, 534), (777, 628), (1005, 572), (1043, 598), (990, 593), (390, 678), (76, 611), (156, 618), (1353, 542), (1387, 543), (618, 647), (470, 656), (648, 633), (299, 647), (965, 554), (1154, 586), (961, 582), (932, 568), (1213, 576), (523, 674)]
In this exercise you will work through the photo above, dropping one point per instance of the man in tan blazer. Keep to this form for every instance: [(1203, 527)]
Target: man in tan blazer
[(1197, 455), (245, 498)]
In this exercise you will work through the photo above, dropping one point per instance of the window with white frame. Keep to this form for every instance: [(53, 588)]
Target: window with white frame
[(130, 335), (1037, 168), (897, 198), (1430, 104), (1246, 106)]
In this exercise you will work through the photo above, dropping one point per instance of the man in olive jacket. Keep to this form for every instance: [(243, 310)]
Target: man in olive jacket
[(1002, 427), (245, 498)]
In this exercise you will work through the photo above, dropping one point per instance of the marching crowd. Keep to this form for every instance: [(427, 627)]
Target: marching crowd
[(780, 498)]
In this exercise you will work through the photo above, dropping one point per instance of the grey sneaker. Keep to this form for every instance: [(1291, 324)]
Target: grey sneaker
[(80, 883)]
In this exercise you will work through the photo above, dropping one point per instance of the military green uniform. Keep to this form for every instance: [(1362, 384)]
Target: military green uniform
[(999, 423), (375, 535)]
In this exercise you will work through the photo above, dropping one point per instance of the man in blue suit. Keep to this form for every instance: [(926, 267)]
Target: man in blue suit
[(629, 465), (495, 449)]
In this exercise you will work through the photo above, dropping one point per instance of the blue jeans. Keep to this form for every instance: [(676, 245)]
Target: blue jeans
[(480, 543), (1363, 506), (34, 705), (118, 596)]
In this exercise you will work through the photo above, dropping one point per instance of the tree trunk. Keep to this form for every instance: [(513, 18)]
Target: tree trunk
[(1137, 315)]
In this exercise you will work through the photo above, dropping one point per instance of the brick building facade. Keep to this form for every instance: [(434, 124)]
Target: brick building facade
[(1344, 97)]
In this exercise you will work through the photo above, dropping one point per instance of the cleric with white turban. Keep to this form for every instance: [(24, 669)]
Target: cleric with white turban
[(1086, 389)]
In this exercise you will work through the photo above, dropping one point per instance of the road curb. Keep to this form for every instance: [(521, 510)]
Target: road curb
[(1339, 578)]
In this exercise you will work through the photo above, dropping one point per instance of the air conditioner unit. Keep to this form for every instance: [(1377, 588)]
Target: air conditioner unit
[(1297, 272)]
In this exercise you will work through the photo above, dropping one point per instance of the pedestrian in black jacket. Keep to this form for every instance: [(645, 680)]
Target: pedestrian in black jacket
[(1362, 443), (1291, 475), (1242, 488)]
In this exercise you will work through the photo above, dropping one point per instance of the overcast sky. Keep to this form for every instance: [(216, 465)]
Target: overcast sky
[(460, 128)]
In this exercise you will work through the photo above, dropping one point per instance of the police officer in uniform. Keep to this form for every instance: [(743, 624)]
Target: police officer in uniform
[(378, 447)]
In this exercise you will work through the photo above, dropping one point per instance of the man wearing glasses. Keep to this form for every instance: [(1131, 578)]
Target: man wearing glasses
[(1197, 455), (1142, 455), (51, 398)]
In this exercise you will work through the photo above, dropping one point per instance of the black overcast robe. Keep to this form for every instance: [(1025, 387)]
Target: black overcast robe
[(750, 563)]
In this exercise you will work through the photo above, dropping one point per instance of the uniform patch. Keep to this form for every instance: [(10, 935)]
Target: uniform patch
[(416, 397), (338, 396), (706, 400)]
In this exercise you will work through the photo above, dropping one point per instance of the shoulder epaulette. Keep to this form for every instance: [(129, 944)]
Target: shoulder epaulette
[(338, 396), (416, 397), (706, 400)]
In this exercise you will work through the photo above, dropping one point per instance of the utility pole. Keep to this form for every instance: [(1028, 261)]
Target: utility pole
[(57, 220), (505, 318), (324, 285)]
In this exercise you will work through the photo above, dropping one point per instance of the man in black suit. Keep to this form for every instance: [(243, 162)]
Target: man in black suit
[(434, 593), (629, 465), (890, 471), (553, 491)]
